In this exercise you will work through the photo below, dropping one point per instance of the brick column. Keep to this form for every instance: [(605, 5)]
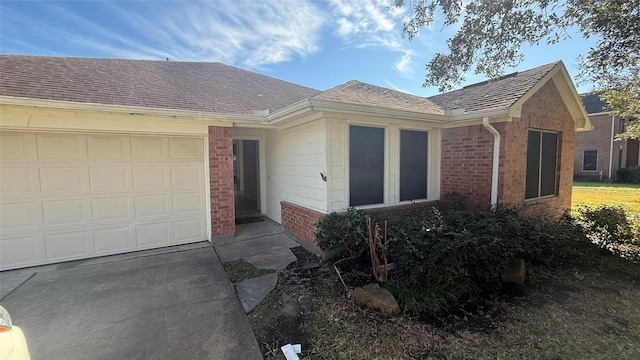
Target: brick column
[(221, 181)]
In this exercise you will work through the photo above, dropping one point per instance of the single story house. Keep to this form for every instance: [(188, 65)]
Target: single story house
[(106, 156), (598, 154)]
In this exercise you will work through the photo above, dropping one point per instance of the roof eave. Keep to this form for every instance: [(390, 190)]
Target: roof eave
[(133, 110), (328, 105)]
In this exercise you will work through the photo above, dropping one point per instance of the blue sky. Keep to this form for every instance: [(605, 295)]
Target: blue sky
[(319, 44)]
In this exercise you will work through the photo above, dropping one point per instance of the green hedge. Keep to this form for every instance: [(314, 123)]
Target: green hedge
[(629, 175)]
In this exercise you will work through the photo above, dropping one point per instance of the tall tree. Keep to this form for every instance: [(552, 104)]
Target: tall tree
[(492, 32)]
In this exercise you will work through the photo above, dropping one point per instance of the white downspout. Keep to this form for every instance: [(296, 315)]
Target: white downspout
[(613, 129), (496, 161)]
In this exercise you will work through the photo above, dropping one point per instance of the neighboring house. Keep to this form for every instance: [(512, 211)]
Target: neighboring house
[(598, 154), (105, 156)]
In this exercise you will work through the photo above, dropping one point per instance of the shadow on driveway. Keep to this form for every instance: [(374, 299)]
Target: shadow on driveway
[(171, 305)]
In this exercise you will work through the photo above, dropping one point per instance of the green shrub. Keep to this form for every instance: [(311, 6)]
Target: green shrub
[(629, 175), (342, 232), (610, 225), (451, 201), (441, 257)]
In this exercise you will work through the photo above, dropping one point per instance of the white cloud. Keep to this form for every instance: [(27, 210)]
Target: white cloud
[(404, 64), (366, 23), (249, 33), (246, 33)]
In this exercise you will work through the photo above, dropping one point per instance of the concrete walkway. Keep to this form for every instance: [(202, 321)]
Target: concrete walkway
[(263, 245), (172, 303)]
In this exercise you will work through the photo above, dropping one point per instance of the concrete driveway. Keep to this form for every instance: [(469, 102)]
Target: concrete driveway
[(175, 303)]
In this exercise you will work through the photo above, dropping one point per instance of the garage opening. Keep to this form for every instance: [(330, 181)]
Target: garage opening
[(246, 177)]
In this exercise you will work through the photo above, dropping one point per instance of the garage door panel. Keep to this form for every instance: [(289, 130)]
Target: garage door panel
[(149, 177), (108, 178), (110, 209), (20, 215), (66, 245), (17, 180), (15, 145), (20, 249), (150, 205), (106, 147), (189, 230), (148, 148), (63, 212), (186, 176), (110, 240), (186, 203), (60, 146), (148, 235), (69, 180), (183, 148), (73, 196)]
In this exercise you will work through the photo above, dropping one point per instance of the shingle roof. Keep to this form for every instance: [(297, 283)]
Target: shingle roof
[(356, 92), (593, 104), (197, 86), (493, 94)]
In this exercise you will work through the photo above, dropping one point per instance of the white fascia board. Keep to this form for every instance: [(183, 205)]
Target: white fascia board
[(478, 115), (289, 111), (333, 106), (133, 110), (600, 113)]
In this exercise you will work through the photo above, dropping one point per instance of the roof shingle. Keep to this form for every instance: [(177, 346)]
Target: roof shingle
[(196, 86), (493, 94), (356, 92), (593, 104)]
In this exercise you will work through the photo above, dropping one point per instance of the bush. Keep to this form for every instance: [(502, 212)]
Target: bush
[(629, 175), (342, 232), (608, 225), (441, 257)]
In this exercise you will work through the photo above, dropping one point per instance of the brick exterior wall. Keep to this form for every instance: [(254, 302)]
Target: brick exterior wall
[(600, 139), (221, 181), (545, 110), (467, 156), (466, 165), (299, 221)]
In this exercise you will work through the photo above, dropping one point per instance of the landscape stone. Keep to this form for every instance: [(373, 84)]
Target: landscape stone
[(376, 298), (516, 274)]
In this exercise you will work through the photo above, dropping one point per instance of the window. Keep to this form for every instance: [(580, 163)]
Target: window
[(589, 160), (542, 149), (366, 165), (413, 165)]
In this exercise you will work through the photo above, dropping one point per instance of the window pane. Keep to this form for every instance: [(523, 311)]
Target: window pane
[(533, 165), (589, 160), (366, 165), (413, 165), (548, 166)]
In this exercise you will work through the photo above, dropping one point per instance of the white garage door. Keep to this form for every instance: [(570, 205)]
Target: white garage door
[(70, 196)]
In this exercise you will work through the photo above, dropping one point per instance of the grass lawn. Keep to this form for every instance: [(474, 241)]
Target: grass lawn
[(594, 194)]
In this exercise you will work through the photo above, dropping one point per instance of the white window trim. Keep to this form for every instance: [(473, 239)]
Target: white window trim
[(389, 198)]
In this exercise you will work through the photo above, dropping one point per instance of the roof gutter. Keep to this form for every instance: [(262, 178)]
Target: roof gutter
[(288, 111), (460, 115), (496, 161)]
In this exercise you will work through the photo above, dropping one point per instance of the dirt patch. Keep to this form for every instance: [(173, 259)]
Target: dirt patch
[(298, 291)]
